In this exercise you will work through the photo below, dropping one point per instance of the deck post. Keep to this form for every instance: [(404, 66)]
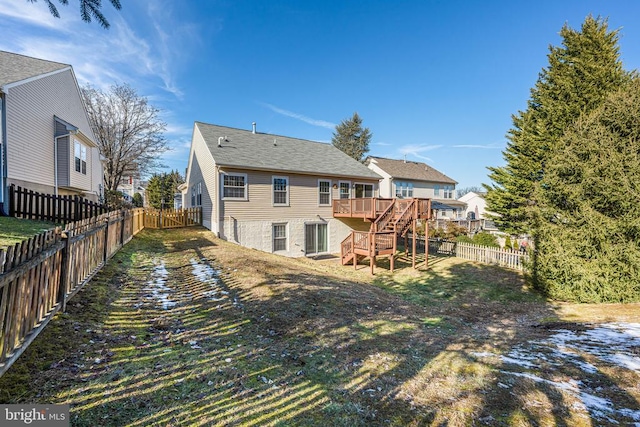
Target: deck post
[(372, 251), (353, 249), (426, 235)]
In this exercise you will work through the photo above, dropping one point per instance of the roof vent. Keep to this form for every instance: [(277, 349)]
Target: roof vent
[(254, 127), (220, 139), (275, 142), (405, 158)]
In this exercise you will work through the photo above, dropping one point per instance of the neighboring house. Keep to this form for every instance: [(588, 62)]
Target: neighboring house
[(477, 210), (476, 205), (129, 186), (407, 179), (46, 143), (273, 193)]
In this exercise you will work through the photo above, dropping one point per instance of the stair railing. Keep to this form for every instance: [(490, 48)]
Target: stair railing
[(384, 219)]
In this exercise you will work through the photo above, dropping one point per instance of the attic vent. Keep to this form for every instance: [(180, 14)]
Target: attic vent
[(254, 127)]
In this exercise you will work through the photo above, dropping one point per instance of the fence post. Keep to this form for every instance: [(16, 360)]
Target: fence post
[(122, 218), (65, 275), (106, 241), (12, 207)]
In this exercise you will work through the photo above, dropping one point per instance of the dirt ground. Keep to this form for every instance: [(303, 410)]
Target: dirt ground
[(184, 329)]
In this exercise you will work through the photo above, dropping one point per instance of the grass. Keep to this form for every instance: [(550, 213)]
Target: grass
[(257, 339), (15, 230)]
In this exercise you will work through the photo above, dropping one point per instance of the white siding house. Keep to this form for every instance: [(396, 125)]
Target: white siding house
[(406, 179), (46, 143), (273, 193)]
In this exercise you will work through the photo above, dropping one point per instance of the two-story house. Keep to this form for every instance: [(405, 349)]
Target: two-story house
[(46, 142), (407, 179), (273, 193)]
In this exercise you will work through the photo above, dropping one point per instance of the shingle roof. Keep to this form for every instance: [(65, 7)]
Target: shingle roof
[(399, 169), (15, 67), (248, 150)]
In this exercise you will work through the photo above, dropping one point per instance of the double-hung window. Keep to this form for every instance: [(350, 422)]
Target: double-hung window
[(345, 190), (436, 190), (324, 192), (448, 191), (196, 194), (234, 186), (404, 189), (80, 157), (280, 191), (279, 237)]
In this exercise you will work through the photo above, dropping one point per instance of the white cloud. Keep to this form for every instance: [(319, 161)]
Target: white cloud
[(492, 146), (297, 116), (36, 14), (416, 150)]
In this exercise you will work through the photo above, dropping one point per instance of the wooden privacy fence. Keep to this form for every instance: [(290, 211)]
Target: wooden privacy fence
[(484, 254), (30, 204), (172, 218), (38, 276)]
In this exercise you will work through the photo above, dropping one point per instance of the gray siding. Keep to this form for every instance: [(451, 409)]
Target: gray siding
[(64, 166), (30, 108), (202, 169)]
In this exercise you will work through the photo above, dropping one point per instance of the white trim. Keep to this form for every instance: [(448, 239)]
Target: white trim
[(273, 190), (344, 182), (328, 236), (319, 193), (30, 79), (373, 188), (286, 237), (246, 186)]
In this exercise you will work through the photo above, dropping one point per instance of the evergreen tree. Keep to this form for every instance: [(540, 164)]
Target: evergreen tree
[(351, 138), (88, 9), (162, 188), (587, 249), (580, 74)]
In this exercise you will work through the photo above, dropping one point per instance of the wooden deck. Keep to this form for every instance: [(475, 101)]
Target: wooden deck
[(371, 208), (390, 219)]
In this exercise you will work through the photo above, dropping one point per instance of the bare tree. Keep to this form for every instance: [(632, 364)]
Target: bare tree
[(464, 190), (128, 130), (88, 9)]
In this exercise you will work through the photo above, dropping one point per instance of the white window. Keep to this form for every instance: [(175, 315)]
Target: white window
[(234, 186), (345, 189), (363, 190), (279, 237), (315, 238), (80, 154), (280, 190), (448, 191), (324, 192), (196, 194), (404, 189), (436, 190)]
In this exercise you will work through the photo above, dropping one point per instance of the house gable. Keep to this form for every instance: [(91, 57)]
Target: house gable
[(44, 120)]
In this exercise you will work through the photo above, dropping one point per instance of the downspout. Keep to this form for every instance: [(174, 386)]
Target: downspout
[(3, 153), (218, 190)]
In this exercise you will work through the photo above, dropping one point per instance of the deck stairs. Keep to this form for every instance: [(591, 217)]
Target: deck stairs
[(395, 220)]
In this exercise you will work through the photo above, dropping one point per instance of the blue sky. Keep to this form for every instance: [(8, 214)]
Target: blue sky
[(434, 80)]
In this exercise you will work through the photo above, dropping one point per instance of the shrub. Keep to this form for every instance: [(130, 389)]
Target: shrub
[(486, 239)]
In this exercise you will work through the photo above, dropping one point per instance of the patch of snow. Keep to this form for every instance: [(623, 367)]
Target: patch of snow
[(611, 343), (210, 276), (483, 354), (158, 288)]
